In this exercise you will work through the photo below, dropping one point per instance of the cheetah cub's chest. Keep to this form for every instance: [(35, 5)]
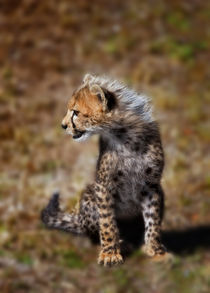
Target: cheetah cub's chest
[(126, 184)]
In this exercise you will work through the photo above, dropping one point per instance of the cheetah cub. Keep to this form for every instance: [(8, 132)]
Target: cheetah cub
[(129, 167)]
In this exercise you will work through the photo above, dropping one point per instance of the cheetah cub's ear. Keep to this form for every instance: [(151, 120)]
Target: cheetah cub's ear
[(87, 78), (97, 90)]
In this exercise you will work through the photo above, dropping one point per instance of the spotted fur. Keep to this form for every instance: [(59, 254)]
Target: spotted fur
[(129, 167)]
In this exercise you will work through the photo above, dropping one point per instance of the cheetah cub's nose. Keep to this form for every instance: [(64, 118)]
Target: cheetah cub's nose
[(64, 126)]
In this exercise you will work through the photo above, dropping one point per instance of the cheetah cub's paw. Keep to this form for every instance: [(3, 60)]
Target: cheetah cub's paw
[(153, 249), (109, 259)]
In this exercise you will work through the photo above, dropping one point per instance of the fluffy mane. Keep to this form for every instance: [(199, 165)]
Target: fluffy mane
[(128, 99)]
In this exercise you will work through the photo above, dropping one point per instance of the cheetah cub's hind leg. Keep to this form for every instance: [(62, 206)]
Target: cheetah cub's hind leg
[(152, 210)]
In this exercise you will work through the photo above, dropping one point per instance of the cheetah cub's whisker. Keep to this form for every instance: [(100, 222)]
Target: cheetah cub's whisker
[(128, 172)]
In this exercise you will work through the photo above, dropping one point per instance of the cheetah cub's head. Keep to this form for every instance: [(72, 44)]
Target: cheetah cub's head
[(89, 110)]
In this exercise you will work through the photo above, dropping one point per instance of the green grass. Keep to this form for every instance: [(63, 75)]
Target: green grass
[(72, 260)]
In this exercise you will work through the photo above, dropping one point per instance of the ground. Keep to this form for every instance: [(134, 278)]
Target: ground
[(158, 47)]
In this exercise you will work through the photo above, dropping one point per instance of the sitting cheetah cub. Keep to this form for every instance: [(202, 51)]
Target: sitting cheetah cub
[(129, 167)]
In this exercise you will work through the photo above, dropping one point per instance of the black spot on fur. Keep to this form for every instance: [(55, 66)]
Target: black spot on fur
[(155, 203), (154, 186), (156, 174), (87, 222), (119, 132), (97, 188), (104, 215), (94, 217), (148, 171), (157, 238), (143, 148), (112, 206), (120, 173), (152, 215), (136, 147), (107, 198), (144, 192), (116, 196), (64, 223), (85, 197)]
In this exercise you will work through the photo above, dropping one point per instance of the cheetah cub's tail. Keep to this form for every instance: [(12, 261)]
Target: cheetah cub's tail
[(50, 214), (54, 218)]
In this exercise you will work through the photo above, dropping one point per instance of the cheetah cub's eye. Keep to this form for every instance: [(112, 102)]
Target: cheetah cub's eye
[(76, 113)]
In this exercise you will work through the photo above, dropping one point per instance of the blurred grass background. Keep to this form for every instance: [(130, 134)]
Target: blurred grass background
[(160, 47)]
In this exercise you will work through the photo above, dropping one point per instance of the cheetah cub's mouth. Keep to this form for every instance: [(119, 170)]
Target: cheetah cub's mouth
[(78, 134), (81, 135)]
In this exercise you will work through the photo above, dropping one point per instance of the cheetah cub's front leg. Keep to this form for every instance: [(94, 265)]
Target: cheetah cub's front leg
[(109, 234)]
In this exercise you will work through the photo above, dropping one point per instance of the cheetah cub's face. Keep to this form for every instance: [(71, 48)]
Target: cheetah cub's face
[(88, 111)]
